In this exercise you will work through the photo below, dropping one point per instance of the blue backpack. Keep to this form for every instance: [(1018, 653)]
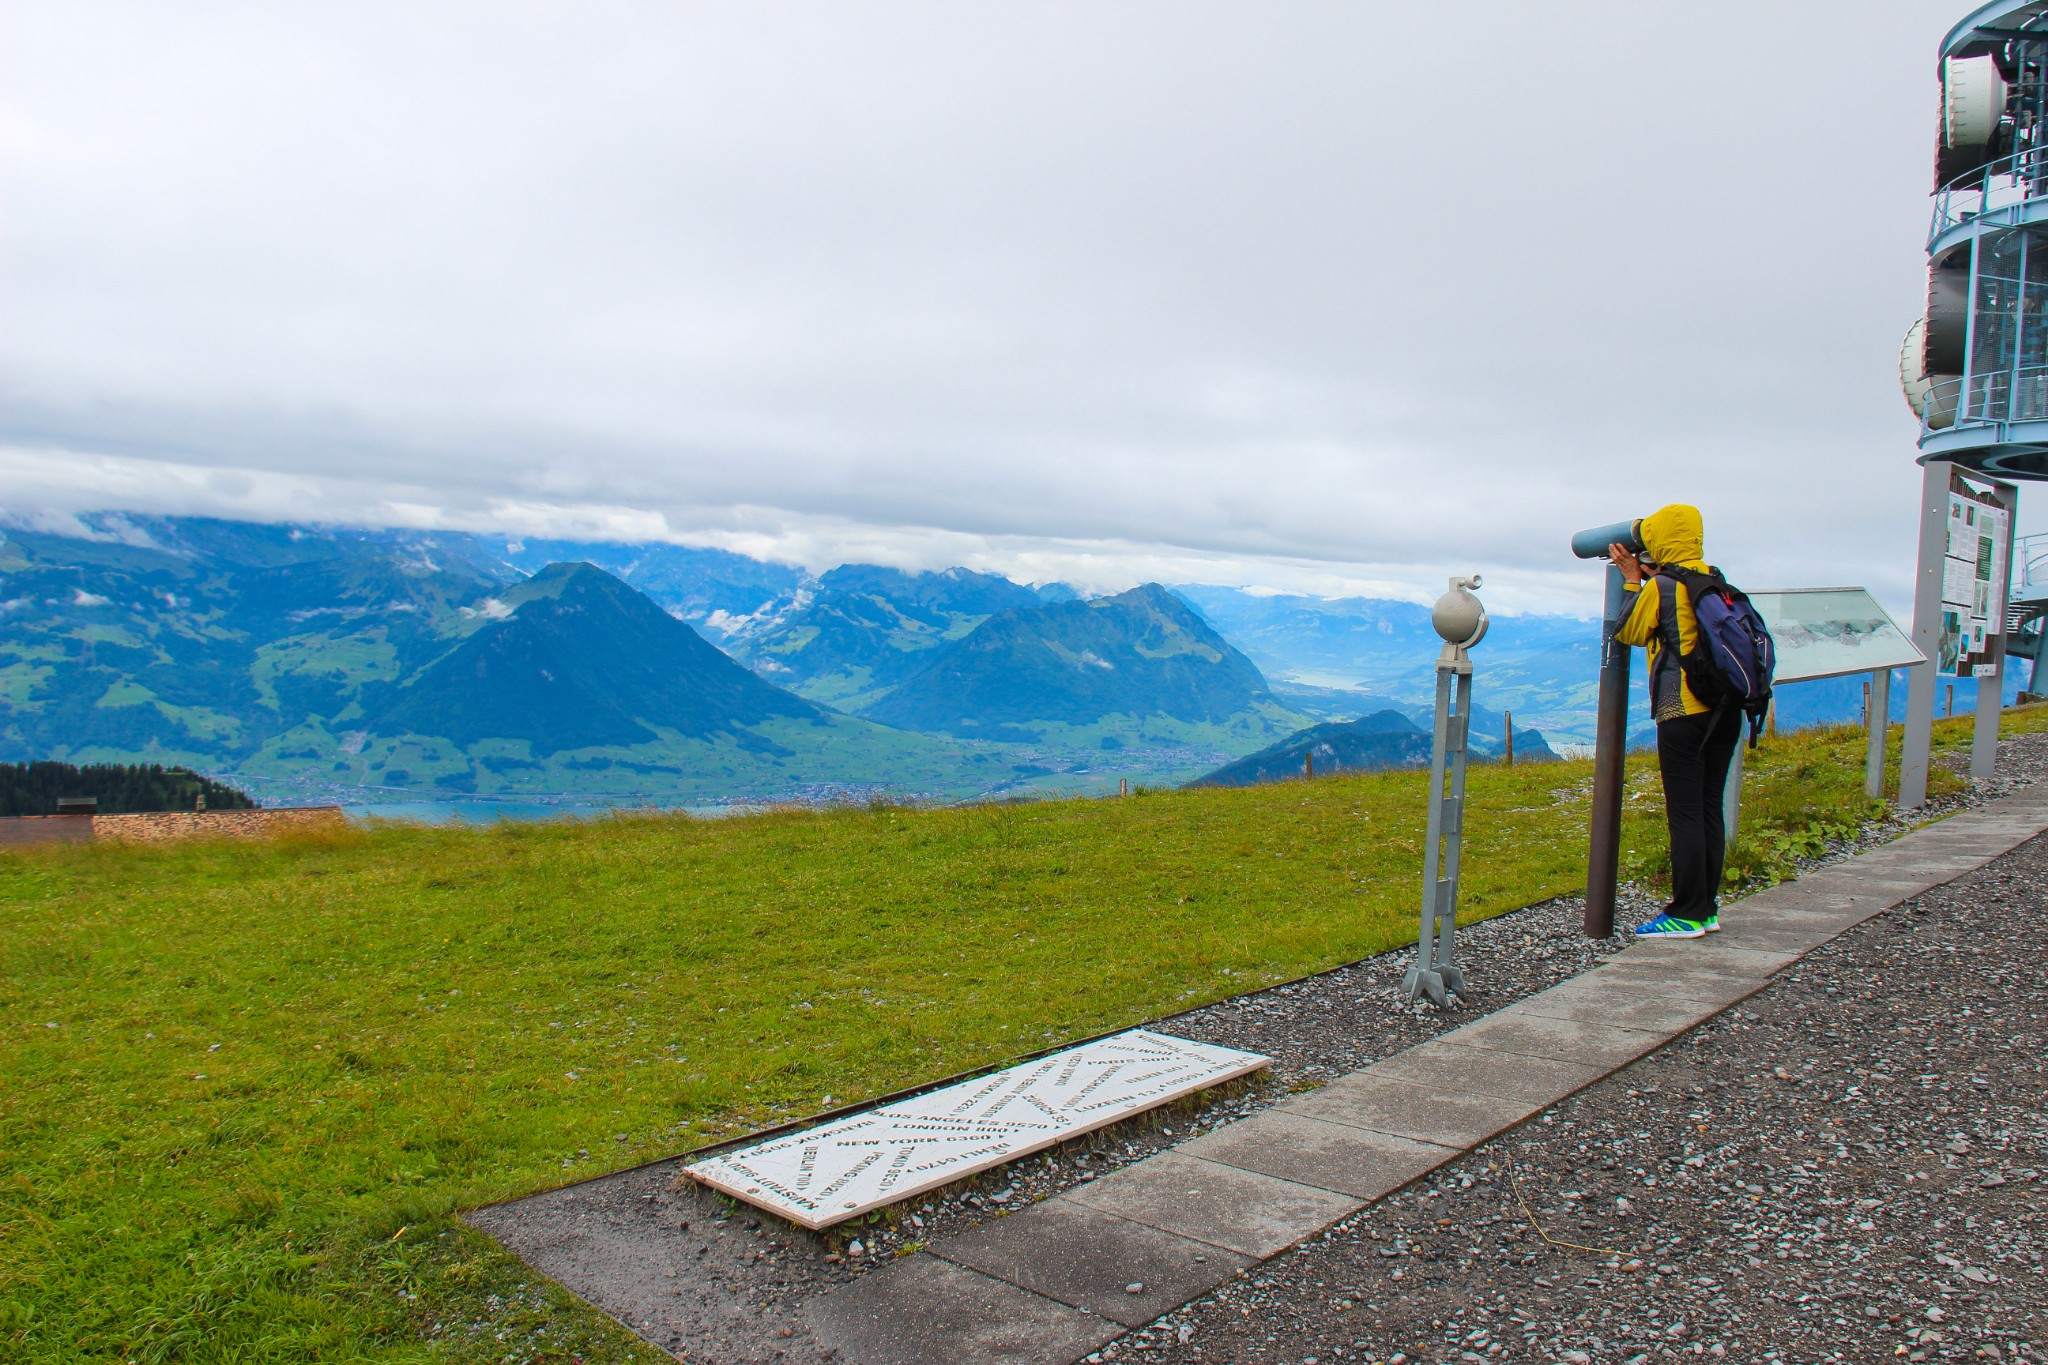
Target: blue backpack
[(1734, 659)]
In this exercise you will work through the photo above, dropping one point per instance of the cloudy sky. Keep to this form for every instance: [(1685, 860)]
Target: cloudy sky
[(1325, 296)]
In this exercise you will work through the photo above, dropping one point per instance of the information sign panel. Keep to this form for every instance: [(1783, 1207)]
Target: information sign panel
[(1829, 632), (826, 1175), (1973, 580)]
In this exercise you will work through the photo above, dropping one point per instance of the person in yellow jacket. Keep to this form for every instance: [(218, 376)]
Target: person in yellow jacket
[(1695, 741)]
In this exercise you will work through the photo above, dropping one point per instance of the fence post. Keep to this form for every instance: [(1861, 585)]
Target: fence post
[(1507, 726)]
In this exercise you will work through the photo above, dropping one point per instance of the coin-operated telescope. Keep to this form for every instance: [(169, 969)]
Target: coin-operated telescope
[(1460, 618)]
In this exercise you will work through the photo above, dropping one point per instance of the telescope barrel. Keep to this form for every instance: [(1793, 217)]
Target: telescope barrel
[(1593, 544)]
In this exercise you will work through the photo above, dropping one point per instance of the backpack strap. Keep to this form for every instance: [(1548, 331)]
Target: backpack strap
[(1667, 613), (1695, 678)]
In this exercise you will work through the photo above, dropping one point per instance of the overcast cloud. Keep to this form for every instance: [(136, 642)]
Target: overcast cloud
[(1326, 296)]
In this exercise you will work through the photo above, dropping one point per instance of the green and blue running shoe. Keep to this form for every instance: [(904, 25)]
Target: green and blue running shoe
[(1714, 923), (1666, 926)]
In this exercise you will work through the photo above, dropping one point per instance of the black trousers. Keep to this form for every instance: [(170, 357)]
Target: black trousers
[(1693, 753)]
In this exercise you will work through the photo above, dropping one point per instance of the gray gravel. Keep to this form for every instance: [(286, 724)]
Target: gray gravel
[(1852, 1165), (732, 1279)]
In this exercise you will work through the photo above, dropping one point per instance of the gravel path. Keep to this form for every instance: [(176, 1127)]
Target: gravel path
[(1850, 1166), (732, 1280)]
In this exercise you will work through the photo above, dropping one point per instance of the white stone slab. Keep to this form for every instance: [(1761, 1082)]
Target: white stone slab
[(841, 1170)]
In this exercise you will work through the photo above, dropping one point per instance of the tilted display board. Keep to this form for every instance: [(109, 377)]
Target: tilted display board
[(1830, 632), (841, 1170)]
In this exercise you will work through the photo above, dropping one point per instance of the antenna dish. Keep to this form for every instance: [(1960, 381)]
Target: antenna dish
[(1972, 101)]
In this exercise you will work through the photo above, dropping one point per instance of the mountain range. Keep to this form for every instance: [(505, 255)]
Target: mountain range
[(310, 662), (315, 661)]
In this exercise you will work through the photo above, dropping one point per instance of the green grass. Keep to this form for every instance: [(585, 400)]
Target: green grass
[(245, 1085)]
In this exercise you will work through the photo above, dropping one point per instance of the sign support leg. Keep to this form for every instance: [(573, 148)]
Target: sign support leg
[(1990, 705), (1879, 721), (1919, 735)]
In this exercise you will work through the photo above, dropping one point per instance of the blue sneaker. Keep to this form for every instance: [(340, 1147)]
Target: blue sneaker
[(1665, 926)]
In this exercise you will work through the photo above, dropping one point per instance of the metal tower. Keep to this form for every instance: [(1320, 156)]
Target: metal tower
[(1975, 366)]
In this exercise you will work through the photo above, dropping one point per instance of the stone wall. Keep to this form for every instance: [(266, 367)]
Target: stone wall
[(157, 826), (45, 829)]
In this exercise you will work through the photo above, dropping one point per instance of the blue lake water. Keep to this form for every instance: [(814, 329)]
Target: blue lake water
[(489, 812)]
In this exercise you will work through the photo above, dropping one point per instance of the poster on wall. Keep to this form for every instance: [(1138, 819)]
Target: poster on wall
[(1973, 581)]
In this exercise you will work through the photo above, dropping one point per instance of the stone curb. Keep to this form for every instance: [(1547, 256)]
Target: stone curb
[(1057, 1281)]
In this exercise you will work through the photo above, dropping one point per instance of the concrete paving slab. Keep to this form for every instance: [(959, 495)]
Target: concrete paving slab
[(1787, 933), (1445, 1115), (1911, 872), (1721, 950), (1840, 912), (925, 1311), (1226, 1206), (1812, 897), (1930, 862), (1646, 979), (1601, 1046), (1451, 1064), (1329, 1156), (1597, 1000), (1089, 1259)]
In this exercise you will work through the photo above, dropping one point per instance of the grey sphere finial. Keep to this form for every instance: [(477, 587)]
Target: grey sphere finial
[(1459, 617)]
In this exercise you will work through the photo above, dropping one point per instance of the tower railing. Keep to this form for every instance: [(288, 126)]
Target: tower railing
[(1990, 192), (2030, 568)]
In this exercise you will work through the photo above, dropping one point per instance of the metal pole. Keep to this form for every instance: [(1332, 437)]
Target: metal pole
[(1918, 741), (1454, 832), (1878, 718), (1610, 745), (1426, 976)]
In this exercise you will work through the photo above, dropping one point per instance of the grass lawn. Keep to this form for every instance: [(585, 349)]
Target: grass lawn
[(244, 1085)]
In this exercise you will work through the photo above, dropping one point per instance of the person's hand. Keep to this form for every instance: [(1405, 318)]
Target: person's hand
[(1625, 560)]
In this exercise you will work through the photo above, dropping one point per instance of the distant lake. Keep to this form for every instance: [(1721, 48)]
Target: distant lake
[(489, 812)]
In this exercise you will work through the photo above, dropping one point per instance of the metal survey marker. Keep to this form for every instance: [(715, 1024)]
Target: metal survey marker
[(841, 1170)]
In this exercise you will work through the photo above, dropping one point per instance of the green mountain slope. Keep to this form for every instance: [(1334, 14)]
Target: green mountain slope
[(580, 659), (194, 642), (1139, 666), (1385, 739)]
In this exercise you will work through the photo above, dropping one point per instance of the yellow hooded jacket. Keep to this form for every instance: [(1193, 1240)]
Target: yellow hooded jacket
[(1672, 535)]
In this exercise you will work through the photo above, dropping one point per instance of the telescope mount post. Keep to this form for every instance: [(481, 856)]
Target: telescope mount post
[(1610, 752), (1435, 972)]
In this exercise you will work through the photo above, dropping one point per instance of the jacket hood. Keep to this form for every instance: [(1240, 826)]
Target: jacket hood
[(1675, 535)]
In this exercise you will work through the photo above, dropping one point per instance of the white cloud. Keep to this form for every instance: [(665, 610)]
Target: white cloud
[(490, 609), (1322, 292), (81, 598)]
